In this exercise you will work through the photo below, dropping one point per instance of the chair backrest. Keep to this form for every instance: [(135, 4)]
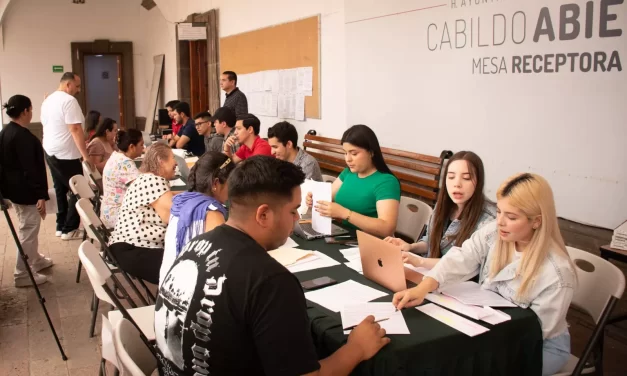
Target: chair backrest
[(85, 210), (96, 269), (413, 216), (598, 281), (134, 358), (80, 187), (93, 175), (328, 178), (419, 174)]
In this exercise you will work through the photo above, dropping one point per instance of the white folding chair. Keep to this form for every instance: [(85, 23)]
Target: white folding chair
[(134, 357), (328, 178), (95, 178), (601, 285), (99, 276), (413, 217), (81, 189)]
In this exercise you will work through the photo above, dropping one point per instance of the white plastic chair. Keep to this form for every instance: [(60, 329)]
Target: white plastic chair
[(600, 286), (99, 276), (328, 178), (94, 177), (80, 187), (413, 216), (134, 357)]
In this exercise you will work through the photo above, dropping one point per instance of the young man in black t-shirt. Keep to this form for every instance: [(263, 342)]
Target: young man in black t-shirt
[(227, 308)]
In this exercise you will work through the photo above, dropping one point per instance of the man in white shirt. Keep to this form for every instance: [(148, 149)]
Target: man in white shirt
[(64, 144)]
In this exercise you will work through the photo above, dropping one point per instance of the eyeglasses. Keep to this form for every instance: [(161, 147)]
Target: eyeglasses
[(202, 122)]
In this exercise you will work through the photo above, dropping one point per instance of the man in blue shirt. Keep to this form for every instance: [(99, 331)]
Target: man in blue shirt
[(187, 137)]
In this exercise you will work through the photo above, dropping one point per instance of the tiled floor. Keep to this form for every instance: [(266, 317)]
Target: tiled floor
[(27, 346)]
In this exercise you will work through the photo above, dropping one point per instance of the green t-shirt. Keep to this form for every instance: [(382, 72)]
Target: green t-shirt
[(361, 194)]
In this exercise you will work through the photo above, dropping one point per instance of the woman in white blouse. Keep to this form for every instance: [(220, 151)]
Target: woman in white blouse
[(522, 257), (138, 239)]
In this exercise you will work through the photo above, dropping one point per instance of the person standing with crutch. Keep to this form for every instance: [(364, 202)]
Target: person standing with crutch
[(23, 181)]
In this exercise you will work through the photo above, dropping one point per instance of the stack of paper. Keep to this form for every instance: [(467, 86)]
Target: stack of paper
[(487, 314), (393, 320), (619, 238), (290, 243), (472, 294), (454, 321), (346, 293), (289, 256), (316, 261)]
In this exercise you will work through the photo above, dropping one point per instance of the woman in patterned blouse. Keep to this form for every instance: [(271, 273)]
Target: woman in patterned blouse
[(119, 172)]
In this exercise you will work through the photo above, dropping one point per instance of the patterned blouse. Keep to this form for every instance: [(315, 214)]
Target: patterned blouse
[(118, 173)]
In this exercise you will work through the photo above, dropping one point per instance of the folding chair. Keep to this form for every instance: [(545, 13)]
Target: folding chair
[(81, 189), (601, 285), (413, 217), (100, 276), (134, 358)]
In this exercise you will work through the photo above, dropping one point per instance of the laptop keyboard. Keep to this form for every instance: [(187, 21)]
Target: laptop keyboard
[(308, 228)]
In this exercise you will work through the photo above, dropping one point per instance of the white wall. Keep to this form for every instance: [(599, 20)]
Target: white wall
[(567, 126), (37, 35), (238, 16)]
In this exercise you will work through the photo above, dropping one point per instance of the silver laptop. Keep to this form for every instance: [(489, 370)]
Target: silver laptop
[(182, 165), (147, 140), (304, 229)]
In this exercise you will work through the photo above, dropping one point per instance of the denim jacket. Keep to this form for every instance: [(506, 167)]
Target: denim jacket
[(487, 215), (549, 296)]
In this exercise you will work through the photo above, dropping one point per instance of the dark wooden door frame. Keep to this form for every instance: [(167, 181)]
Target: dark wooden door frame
[(105, 47)]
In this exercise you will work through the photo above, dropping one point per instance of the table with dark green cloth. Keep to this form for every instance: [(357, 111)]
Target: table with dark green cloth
[(433, 348)]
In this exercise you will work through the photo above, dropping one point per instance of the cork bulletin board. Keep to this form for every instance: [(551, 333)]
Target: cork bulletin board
[(285, 46)]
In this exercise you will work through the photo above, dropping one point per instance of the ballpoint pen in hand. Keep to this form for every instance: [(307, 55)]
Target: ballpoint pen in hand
[(354, 326)]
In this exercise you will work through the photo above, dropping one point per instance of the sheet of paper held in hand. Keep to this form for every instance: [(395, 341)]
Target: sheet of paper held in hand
[(321, 191)]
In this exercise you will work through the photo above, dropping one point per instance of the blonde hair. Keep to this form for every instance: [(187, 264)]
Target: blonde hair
[(531, 194), (156, 154)]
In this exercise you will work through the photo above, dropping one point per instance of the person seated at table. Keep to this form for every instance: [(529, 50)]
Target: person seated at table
[(366, 195), (187, 138), (138, 238), (460, 210), (175, 125), (102, 144), (199, 210), (246, 312), (521, 256), (283, 139), (223, 122), (91, 123), (202, 122), (247, 135), (119, 171)]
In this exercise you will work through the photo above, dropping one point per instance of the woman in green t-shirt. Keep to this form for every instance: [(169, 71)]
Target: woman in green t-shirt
[(366, 195)]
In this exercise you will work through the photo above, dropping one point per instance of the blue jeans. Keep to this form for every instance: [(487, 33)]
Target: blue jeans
[(555, 353)]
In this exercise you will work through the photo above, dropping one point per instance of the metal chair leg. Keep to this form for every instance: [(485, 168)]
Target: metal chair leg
[(78, 271), (94, 314)]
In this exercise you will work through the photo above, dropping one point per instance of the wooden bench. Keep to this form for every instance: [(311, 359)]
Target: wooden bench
[(419, 174)]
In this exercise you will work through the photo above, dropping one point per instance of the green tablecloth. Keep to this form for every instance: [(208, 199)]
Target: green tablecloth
[(433, 348)]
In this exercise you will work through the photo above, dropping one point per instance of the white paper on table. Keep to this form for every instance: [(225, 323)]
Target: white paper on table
[(191, 159), (305, 188), (355, 265), (394, 325), (472, 294), (290, 243), (179, 152), (321, 191), (304, 79), (350, 253), (496, 316), (473, 312), (288, 256), (177, 183), (346, 293), (418, 269), (299, 106), (454, 321), (309, 263), (354, 314), (51, 205)]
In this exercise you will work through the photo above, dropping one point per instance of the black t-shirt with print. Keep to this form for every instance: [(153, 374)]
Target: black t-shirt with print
[(227, 308)]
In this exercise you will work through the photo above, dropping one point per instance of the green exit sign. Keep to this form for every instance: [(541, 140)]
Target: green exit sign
[(57, 69)]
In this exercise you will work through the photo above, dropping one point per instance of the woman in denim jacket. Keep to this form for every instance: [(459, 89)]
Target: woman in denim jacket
[(460, 210), (521, 256)]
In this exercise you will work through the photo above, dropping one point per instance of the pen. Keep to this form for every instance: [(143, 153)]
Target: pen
[(354, 326)]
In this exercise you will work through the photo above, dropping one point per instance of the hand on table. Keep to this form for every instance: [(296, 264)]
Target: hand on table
[(408, 298), (368, 337)]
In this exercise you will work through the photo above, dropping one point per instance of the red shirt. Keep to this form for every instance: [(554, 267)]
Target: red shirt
[(260, 147), (176, 127)]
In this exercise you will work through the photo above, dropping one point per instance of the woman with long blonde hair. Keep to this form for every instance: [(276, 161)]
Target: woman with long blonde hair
[(521, 256)]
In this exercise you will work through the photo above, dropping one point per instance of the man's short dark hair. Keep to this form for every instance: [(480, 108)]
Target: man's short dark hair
[(183, 108), (173, 103), (231, 75), (203, 115), (68, 76), (250, 120), (262, 180), (284, 132), (226, 115)]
